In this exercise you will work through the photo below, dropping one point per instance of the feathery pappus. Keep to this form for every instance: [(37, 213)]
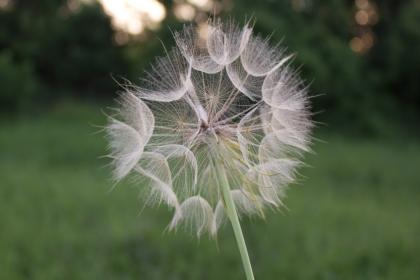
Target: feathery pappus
[(226, 98)]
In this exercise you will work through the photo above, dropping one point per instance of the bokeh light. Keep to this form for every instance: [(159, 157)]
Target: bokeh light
[(365, 17), (184, 12), (362, 17), (133, 16), (4, 3)]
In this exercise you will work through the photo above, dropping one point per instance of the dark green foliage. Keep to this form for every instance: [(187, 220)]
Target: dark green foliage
[(319, 32), (77, 60), (18, 85), (403, 66), (73, 53)]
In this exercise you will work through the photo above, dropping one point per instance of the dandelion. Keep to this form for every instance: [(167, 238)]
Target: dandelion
[(215, 129)]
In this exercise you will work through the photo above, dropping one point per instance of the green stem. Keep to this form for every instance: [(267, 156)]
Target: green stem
[(233, 217)]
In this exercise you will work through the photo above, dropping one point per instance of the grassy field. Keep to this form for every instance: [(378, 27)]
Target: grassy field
[(354, 215)]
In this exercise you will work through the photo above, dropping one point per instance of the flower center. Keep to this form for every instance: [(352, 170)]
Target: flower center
[(204, 126)]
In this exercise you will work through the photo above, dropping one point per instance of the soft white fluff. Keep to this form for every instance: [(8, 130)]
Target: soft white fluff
[(226, 98)]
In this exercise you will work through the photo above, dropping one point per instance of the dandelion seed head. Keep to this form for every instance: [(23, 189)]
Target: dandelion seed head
[(223, 98)]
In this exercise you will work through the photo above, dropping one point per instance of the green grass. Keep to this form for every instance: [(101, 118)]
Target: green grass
[(354, 215)]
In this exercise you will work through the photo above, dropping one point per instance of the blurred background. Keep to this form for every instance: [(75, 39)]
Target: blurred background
[(354, 214)]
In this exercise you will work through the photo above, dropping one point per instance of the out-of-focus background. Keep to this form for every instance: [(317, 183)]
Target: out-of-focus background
[(354, 214)]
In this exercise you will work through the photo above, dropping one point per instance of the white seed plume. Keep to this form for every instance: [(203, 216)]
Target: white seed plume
[(225, 98)]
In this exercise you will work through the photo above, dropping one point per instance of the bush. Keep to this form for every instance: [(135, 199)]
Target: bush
[(18, 85)]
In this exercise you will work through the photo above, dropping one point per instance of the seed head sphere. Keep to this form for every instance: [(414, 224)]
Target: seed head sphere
[(221, 97)]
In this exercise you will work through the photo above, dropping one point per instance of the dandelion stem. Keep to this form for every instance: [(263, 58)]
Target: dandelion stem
[(233, 217)]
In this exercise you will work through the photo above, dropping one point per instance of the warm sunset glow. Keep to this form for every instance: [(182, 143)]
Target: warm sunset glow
[(203, 4), (366, 16), (203, 30), (362, 17), (356, 44), (368, 40), (362, 4), (4, 3), (133, 16), (363, 43), (184, 12)]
